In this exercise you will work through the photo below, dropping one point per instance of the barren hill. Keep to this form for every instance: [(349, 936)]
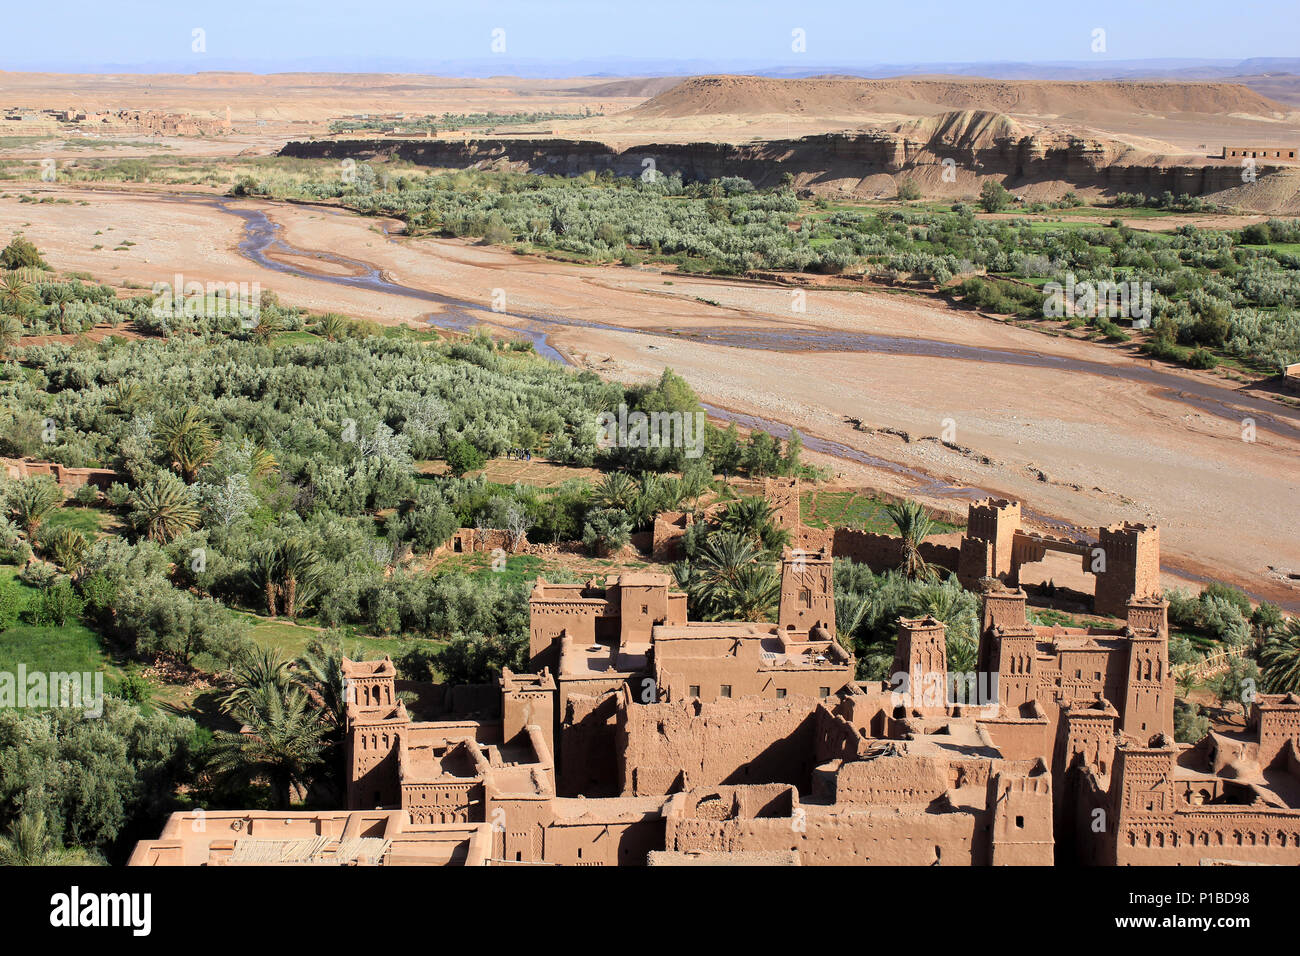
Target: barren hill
[(747, 95), (962, 129)]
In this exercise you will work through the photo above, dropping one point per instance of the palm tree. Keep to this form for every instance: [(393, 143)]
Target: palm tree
[(696, 480), (616, 490), (755, 593), (193, 449), (188, 438), (281, 741), (288, 573), (319, 672), (60, 295), (255, 670), (163, 510), (653, 493), (261, 462), (753, 518), (265, 328), (29, 843), (1280, 660), (68, 548), (956, 608), (11, 332), (126, 397), (332, 326), (264, 570), (851, 609), (914, 524), (301, 567), (176, 421), (32, 500), (16, 296), (723, 582)]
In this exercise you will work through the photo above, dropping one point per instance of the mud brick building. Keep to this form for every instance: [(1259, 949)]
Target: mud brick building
[(639, 736)]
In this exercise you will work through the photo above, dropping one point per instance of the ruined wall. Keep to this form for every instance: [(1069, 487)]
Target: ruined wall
[(880, 552), (592, 841), (672, 746), (69, 479), (723, 820), (475, 540), (839, 735), (567, 613), (587, 753), (537, 828), (919, 810), (900, 780), (1022, 830), (1020, 738), (669, 529)]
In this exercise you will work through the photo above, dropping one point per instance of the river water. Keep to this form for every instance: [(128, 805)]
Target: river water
[(263, 239)]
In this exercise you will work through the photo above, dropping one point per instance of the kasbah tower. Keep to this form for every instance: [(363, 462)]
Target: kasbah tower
[(640, 736)]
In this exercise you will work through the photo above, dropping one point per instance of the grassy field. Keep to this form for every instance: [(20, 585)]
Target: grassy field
[(1050, 617), (89, 521), (73, 647), (292, 639), (527, 567), (854, 509)]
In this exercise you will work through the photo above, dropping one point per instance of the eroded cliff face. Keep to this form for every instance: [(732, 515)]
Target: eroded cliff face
[(856, 164)]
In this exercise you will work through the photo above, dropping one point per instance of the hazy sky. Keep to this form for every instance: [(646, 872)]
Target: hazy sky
[(283, 34)]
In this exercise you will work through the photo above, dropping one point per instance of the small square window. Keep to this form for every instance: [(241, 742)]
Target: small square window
[(823, 692), (780, 692), (725, 691), (1020, 823), (695, 690), (645, 608)]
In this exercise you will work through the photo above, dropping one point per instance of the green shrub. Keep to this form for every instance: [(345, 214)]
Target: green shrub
[(463, 457), (1256, 234), (1190, 723), (11, 603), (135, 688), (55, 606), (39, 574), (606, 530), (21, 254), (993, 196), (908, 189)]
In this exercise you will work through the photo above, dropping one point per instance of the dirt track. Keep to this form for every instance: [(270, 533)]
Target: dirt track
[(1080, 446)]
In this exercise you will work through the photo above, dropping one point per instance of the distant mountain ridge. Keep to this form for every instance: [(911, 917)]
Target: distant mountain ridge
[(613, 68), (749, 95)]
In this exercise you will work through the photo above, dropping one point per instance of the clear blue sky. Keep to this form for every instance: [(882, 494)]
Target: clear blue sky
[(268, 35)]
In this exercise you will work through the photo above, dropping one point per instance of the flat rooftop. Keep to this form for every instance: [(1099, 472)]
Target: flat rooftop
[(593, 660)]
